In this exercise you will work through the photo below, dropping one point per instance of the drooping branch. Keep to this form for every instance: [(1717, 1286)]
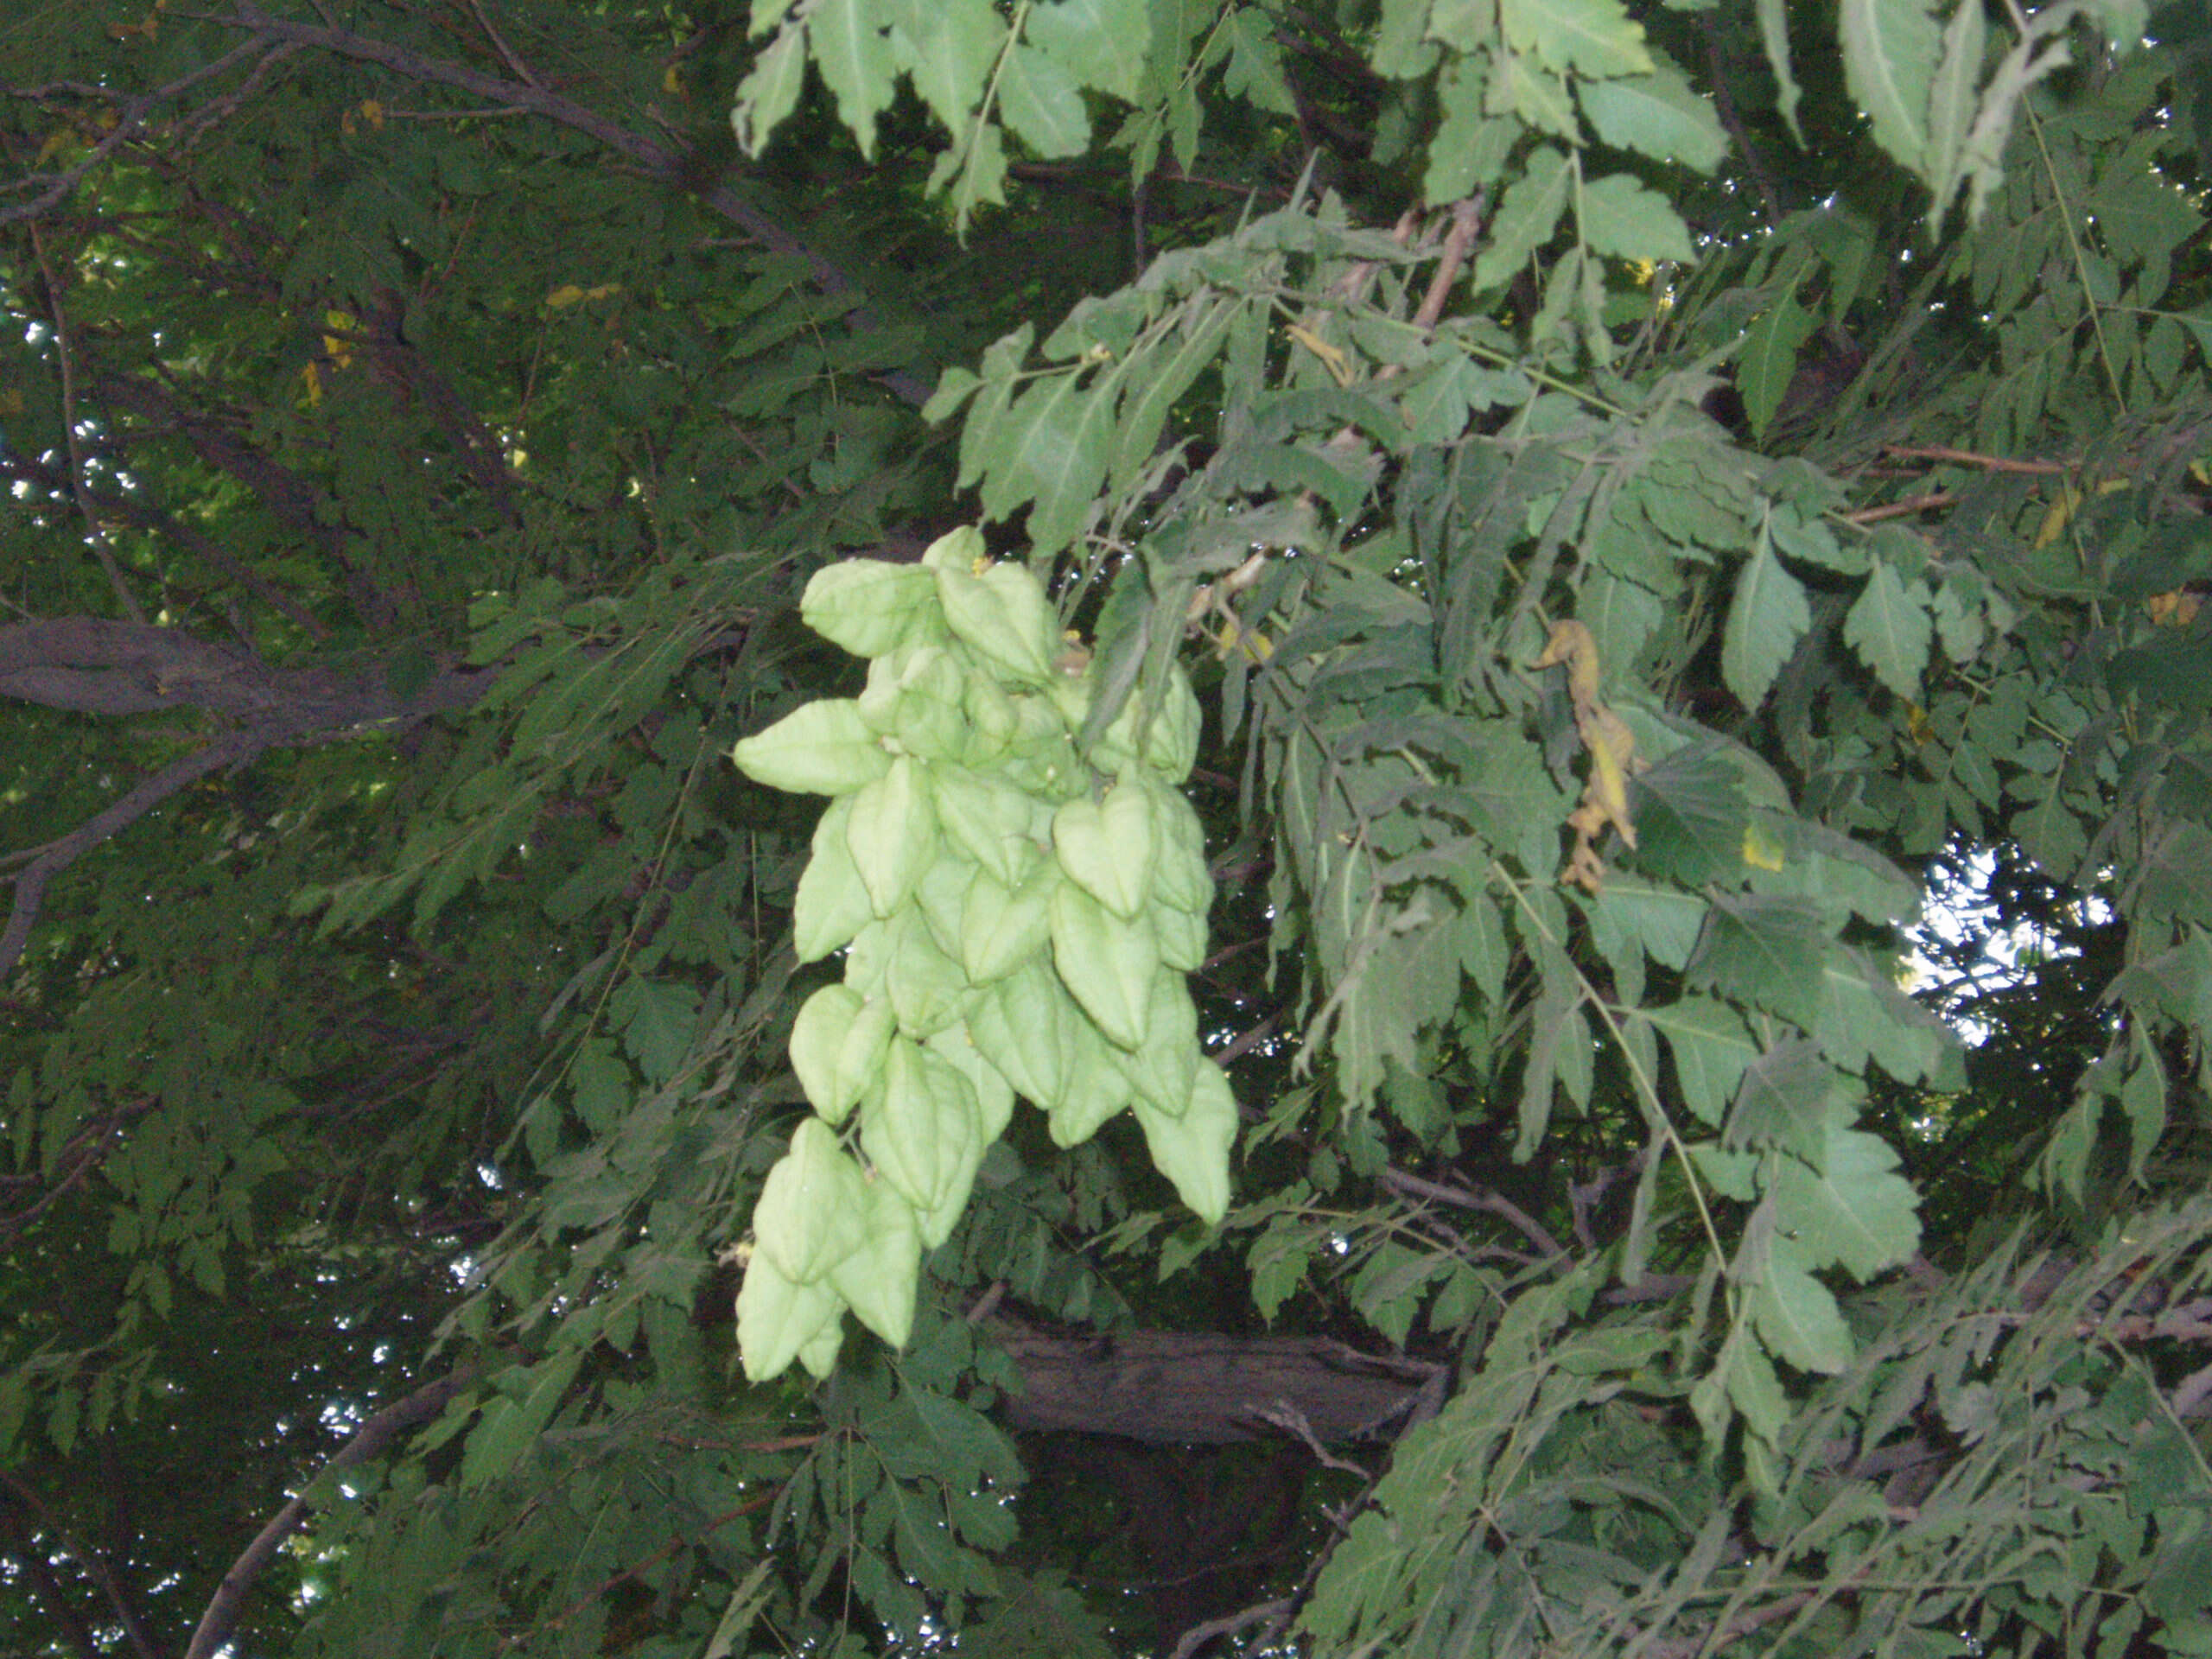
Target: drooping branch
[(131, 117), (221, 1617), (659, 159)]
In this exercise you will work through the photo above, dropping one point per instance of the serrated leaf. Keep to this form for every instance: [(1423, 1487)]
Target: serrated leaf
[(1690, 816), (1769, 615), (1711, 1046), (1855, 1209), (1795, 1315), (1102, 43), (823, 747), (1471, 145), (1768, 362), (1621, 216), (950, 47), (1656, 115), (2142, 1098), (1526, 217), (1050, 449), (1774, 36), (1891, 48), (1254, 72), (973, 174), (1890, 627), (1769, 953), (771, 92), (1043, 106), (1952, 101), (853, 51), (1539, 97), (1783, 1102), (1596, 38)]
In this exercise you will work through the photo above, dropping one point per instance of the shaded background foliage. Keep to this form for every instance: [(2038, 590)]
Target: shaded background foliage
[(420, 423)]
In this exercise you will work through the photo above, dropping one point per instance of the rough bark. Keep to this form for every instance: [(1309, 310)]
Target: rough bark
[(1177, 1388)]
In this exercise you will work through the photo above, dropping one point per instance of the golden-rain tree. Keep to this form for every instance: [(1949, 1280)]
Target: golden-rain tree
[(1398, 606)]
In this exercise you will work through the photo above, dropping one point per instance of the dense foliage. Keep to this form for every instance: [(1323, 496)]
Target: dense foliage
[(1651, 556)]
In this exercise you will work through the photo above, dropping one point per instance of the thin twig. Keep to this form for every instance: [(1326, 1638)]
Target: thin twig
[(97, 1567), (1291, 1419), (64, 356), (1904, 509), (1969, 458), (31, 882), (129, 121), (659, 159), (1460, 1198)]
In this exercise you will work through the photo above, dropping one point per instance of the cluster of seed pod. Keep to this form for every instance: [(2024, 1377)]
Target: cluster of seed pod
[(1017, 918)]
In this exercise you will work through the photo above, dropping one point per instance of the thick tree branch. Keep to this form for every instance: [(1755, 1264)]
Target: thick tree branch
[(221, 1616), (1177, 1388), (89, 666)]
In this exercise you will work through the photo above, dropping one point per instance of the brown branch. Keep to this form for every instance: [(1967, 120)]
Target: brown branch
[(1460, 1198), (91, 667), (1198, 1635), (1192, 1388), (659, 159), (130, 120), (221, 1616), (1969, 458), (1466, 224), (1905, 509)]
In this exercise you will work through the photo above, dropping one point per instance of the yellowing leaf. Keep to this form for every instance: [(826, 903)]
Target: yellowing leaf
[(1762, 849)]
